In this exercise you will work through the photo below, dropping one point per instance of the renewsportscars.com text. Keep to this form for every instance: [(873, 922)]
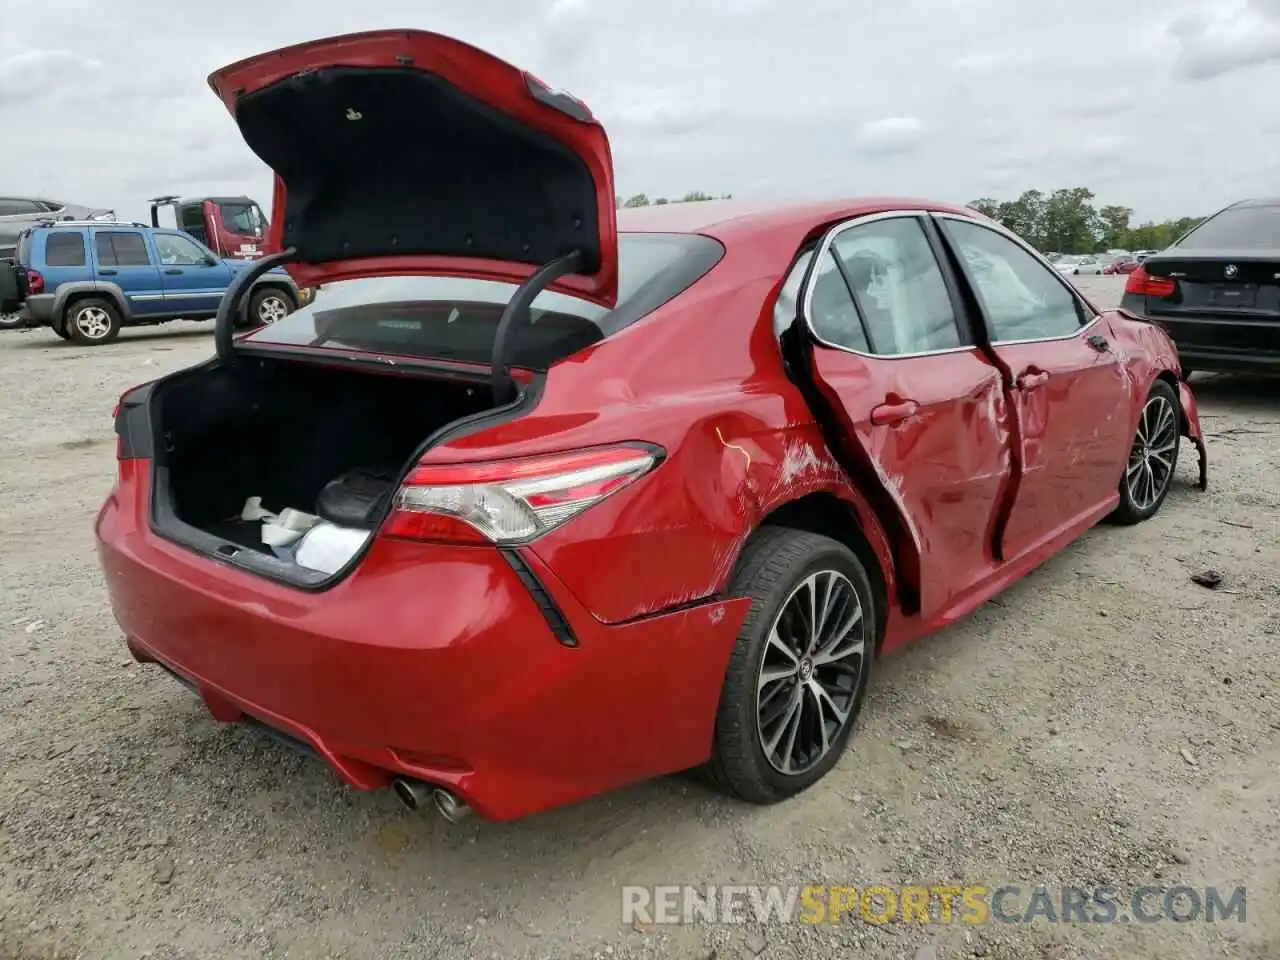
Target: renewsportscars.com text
[(935, 904)]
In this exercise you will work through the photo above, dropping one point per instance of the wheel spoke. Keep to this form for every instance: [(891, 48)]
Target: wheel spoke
[(786, 728), (774, 674), (832, 650), (811, 590)]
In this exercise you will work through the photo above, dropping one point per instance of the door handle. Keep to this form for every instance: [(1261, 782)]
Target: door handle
[(108, 273), (891, 414), (1032, 379), (173, 272)]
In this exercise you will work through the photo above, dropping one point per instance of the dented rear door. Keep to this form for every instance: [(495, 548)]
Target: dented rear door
[(919, 409)]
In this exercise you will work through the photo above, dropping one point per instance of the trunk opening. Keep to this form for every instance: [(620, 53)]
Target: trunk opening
[(284, 431)]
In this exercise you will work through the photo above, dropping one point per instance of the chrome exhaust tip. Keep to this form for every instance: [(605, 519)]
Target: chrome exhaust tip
[(412, 793), (449, 806)]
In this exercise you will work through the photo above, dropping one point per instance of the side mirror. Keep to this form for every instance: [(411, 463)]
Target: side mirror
[(210, 261)]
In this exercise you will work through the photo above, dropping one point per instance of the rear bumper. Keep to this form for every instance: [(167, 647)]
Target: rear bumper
[(1216, 342), (39, 308), (430, 661)]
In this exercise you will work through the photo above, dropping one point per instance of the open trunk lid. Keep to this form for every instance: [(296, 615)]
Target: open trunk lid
[(406, 152)]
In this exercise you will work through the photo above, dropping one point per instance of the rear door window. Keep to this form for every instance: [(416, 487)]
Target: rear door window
[(19, 208), (456, 318), (898, 287), (64, 249), (121, 249)]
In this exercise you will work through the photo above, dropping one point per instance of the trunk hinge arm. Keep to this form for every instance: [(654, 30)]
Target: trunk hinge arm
[(224, 326), (517, 311)]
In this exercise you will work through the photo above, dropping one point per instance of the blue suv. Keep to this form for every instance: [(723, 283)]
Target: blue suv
[(89, 279)]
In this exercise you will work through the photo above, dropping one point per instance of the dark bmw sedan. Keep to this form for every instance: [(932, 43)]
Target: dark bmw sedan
[(1217, 290)]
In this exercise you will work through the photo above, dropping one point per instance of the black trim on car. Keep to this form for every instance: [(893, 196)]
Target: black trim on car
[(550, 610)]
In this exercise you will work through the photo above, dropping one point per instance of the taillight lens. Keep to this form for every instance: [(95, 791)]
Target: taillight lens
[(35, 282), (1143, 284), (513, 500)]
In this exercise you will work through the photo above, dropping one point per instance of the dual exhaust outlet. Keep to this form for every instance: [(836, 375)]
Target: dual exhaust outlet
[(416, 795)]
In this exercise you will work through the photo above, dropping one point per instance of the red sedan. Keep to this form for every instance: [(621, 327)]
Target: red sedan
[(1121, 265), (526, 507)]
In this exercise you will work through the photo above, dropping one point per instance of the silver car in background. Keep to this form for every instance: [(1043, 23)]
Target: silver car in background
[(19, 213)]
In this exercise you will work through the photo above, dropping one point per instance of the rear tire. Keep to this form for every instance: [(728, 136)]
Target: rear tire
[(1153, 457), (777, 737), (11, 319), (92, 322), (267, 307)]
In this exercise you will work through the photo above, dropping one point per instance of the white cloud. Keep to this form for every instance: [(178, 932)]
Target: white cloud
[(1237, 36), (891, 135), (946, 98)]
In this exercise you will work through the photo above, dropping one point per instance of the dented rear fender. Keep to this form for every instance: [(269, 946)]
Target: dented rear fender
[(1191, 429)]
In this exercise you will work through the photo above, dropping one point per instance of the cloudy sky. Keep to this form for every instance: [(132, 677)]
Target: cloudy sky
[(1166, 106)]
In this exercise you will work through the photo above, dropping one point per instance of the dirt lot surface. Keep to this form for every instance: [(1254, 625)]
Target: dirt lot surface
[(1104, 722)]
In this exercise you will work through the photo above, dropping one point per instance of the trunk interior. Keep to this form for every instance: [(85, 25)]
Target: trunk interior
[(282, 430)]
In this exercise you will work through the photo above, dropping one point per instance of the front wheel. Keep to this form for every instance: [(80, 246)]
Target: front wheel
[(1153, 457), (799, 671)]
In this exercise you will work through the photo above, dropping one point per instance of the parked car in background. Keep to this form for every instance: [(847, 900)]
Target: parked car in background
[(232, 227), (478, 429), (87, 280), (18, 213), (1216, 289), (1088, 264), (1066, 263), (1121, 265)]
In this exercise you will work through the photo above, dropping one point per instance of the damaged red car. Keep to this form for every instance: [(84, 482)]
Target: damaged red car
[(531, 504)]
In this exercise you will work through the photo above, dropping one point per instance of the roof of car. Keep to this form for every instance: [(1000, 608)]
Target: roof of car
[(718, 218), (1258, 202)]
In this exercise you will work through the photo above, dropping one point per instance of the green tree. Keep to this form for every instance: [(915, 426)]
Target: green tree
[(639, 200), (1025, 217), (695, 196), (1115, 226), (1066, 221), (1070, 221), (987, 207)]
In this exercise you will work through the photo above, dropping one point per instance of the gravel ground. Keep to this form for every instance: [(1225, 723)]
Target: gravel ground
[(1105, 721)]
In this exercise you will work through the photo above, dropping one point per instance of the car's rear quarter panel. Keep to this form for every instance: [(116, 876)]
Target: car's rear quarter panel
[(703, 378)]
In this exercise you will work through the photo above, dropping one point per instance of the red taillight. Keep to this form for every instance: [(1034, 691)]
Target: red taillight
[(508, 501), (35, 282), (1143, 284)]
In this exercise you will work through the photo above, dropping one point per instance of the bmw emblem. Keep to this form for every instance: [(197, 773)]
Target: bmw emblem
[(1230, 271)]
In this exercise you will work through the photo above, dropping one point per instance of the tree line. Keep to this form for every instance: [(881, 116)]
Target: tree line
[(1066, 221), (641, 200)]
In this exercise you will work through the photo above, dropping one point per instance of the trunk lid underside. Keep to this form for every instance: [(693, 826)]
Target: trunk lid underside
[(400, 152)]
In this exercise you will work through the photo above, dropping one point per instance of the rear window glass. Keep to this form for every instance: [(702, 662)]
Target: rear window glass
[(64, 249), (456, 318), (1239, 228)]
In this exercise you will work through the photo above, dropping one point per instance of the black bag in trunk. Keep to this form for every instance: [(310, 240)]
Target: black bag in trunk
[(358, 497)]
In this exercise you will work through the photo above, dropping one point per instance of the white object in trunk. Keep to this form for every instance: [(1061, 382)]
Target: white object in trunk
[(328, 547), (282, 530), (253, 510)]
